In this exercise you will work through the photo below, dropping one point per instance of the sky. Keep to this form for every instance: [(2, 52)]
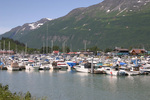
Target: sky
[(15, 13)]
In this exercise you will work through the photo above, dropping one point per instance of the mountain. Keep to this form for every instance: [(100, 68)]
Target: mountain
[(19, 31), (123, 23)]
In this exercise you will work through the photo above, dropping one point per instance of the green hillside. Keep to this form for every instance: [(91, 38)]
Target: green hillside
[(130, 30), (95, 28)]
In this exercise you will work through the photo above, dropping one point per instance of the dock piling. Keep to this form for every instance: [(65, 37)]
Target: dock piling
[(92, 68)]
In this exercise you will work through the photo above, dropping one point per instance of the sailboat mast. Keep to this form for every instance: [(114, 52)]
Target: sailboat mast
[(9, 47), (85, 46), (43, 47), (4, 44), (3, 47), (0, 46), (63, 47), (52, 46), (26, 48), (16, 48), (47, 40)]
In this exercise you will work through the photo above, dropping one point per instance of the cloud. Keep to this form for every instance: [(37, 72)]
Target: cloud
[(4, 29)]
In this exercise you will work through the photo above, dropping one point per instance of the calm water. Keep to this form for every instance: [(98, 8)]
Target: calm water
[(70, 85)]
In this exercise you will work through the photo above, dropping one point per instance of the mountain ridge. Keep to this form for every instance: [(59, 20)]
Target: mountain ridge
[(20, 30)]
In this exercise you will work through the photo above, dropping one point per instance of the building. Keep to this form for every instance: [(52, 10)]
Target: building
[(56, 52), (7, 52), (138, 51), (120, 51)]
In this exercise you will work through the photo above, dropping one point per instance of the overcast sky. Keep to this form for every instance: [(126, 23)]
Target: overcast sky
[(18, 12)]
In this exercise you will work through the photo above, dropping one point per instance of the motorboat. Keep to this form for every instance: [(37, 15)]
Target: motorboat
[(83, 67), (115, 70), (111, 71), (44, 66), (32, 66)]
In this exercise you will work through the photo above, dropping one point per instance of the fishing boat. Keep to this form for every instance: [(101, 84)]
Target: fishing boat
[(62, 65), (32, 66), (145, 67), (53, 65), (83, 67), (44, 66), (13, 66), (112, 71), (134, 70), (115, 70)]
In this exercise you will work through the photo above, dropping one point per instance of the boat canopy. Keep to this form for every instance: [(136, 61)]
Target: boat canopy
[(47, 60), (71, 64), (1, 63), (122, 63)]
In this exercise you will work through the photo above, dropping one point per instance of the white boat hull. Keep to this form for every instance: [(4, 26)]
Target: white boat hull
[(84, 70), (115, 73), (32, 67), (12, 69)]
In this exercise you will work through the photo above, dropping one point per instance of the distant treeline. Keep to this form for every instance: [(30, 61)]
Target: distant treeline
[(15, 41), (16, 46)]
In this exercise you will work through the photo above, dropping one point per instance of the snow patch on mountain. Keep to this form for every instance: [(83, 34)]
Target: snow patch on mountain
[(49, 19), (35, 25), (39, 23)]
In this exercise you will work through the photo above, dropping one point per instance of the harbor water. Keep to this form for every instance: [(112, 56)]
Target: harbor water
[(71, 85)]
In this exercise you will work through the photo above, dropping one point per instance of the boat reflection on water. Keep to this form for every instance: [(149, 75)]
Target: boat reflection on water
[(59, 70), (62, 71), (51, 71), (31, 71), (41, 71), (12, 72), (82, 74), (111, 82)]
